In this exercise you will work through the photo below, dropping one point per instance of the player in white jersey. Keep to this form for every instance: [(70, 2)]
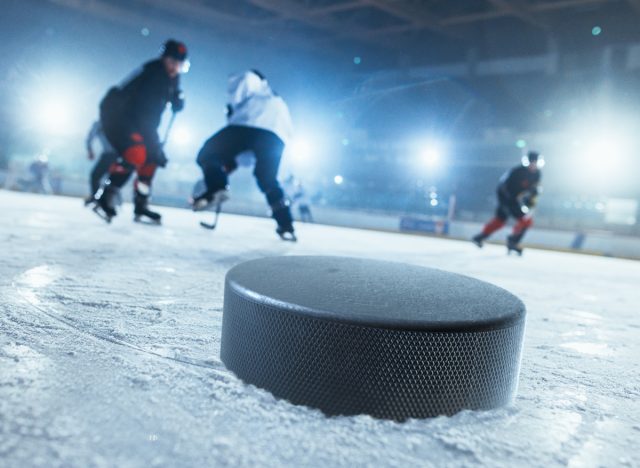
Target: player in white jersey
[(258, 121)]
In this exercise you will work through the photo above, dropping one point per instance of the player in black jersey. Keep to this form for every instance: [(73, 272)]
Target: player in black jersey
[(517, 195)]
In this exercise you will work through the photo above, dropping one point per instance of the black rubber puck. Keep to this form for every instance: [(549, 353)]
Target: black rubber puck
[(352, 336)]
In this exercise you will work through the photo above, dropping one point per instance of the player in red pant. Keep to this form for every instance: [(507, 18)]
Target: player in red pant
[(517, 195), (130, 115)]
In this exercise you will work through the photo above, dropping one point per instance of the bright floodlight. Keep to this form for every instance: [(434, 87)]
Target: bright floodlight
[(181, 136), (431, 154), (338, 179), (300, 149), (602, 148), (54, 116), (604, 155)]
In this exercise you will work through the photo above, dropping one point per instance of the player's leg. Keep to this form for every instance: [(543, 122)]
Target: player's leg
[(268, 149), (101, 170), (217, 161), (305, 213), (142, 193), (133, 155), (496, 223), (523, 224)]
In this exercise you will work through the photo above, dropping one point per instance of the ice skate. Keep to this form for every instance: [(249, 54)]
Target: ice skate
[(142, 213), (104, 202), (513, 246), (287, 234), (478, 240), (146, 216), (207, 200)]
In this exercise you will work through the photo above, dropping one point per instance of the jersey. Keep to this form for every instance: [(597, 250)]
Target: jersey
[(519, 182), (252, 103), (96, 133)]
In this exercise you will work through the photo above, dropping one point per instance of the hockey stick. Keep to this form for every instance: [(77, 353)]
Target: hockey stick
[(167, 132), (213, 225)]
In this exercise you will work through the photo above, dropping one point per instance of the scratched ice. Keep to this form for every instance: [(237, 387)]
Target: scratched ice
[(109, 351)]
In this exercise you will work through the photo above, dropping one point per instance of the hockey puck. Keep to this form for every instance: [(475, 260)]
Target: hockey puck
[(352, 336)]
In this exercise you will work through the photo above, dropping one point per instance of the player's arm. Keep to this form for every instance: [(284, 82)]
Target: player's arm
[(506, 183), (532, 199), (152, 142), (177, 101), (93, 134), (146, 92)]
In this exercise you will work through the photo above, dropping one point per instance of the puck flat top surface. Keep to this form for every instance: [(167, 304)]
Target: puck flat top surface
[(376, 293)]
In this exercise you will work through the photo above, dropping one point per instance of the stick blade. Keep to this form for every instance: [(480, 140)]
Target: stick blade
[(211, 227)]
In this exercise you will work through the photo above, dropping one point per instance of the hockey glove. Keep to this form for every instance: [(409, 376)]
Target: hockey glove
[(161, 159), (177, 104)]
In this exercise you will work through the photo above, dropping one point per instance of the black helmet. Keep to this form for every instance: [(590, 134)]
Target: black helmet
[(174, 49), (533, 156)]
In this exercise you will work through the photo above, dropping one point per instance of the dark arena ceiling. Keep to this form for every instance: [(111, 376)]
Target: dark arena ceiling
[(396, 32)]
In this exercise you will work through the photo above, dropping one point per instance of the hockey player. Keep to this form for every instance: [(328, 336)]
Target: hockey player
[(108, 156), (258, 121), (517, 195), (38, 181), (130, 115), (297, 195)]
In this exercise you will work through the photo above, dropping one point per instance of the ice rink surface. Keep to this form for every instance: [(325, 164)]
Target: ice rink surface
[(109, 351)]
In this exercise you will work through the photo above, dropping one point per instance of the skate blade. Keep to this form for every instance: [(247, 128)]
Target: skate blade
[(288, 237), (518, 252), (97, 210), (147, 221)]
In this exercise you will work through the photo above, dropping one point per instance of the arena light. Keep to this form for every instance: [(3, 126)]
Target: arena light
[(52, 107), (53, 116), (182, 135), (300, 149), (431, 153), (431, 156), (604, 154), (338, 179), (606, 146), (607, 149)]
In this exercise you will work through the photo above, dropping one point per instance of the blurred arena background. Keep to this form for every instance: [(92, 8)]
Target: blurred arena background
[(406, 112)]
